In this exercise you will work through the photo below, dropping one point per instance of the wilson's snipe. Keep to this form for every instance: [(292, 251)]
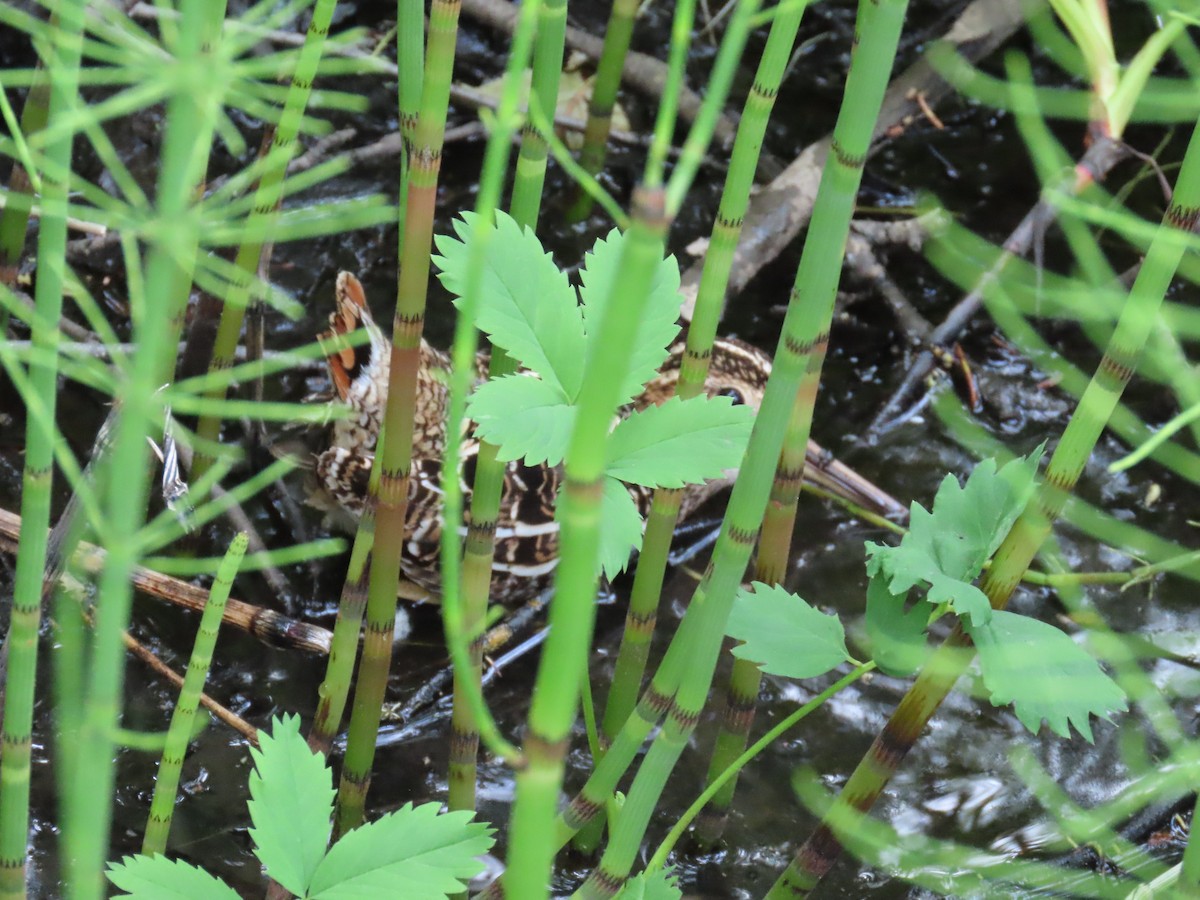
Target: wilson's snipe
[(526, 530)]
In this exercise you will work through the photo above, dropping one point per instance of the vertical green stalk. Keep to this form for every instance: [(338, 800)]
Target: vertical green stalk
[(774, 551), (158, 317), (572, 615), (617, 35), (530, 172), (343, 649), (14, 219), (660, 524), (1099, 399), (479, 548), (16, 742), (396, 460), (410, 62), (180, 731), (796, 371), (343, 646), (266, 203)]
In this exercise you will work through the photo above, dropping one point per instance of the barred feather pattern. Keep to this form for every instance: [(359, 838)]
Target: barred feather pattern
[(527, 532)]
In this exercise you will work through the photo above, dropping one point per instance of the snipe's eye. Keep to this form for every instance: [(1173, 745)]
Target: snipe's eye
[(733, 394)]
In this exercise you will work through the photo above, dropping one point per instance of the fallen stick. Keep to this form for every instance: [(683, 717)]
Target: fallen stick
[(267, 625)]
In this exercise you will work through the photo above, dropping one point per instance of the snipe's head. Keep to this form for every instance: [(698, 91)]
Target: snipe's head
[(354, 371), (360, 377)]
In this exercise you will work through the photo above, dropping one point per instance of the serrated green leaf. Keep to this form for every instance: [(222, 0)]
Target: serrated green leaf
[(525, 417), (159, 878), (412, 853), (920, 560), (1044, 674), (946, 549), (526, 305), (658, 885), (785, 636), (291, 803), (897, 635), (659, 324), (680, 442), (1020, 475), (621, 529)]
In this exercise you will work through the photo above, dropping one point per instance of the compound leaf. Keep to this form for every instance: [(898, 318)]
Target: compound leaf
[(659, 322), (159, 878), (680, 442), (525, 417), (785, 636), (946, 549), (291, 803), (412, 853), (526, 305), (1044, 674)]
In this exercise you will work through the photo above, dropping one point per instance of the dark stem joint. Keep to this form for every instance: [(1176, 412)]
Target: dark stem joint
[(847, 159), (1183, 217)]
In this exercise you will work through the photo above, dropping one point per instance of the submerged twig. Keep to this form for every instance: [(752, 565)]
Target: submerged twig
[(1100, 157)]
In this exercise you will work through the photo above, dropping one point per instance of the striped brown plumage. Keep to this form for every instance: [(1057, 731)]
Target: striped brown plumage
[(526, 530)]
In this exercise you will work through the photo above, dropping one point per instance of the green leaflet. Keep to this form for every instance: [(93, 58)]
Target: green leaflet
[(622, 532), (896, 634), (1044, 675), (680, 442), (412, 853), (656, 885), (659, 324), (946, 549), (159, 878), (526, 305), (525, 417), (291, 804), (785, 636)]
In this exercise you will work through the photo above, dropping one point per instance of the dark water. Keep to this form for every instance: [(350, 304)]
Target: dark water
[(958, 784)]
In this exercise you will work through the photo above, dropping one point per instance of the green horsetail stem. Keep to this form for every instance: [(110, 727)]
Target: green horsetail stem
[(343, 650), (817, 855), (572, 616), (793, 383), (396, 460), (530, 174), (266, 203), (14, 218), (410, 65), (479, 547), (343, 645), (461, 637), (16, 741), (745, 679), (180, 731), (664, 511), (617, 34), (158, 306)]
